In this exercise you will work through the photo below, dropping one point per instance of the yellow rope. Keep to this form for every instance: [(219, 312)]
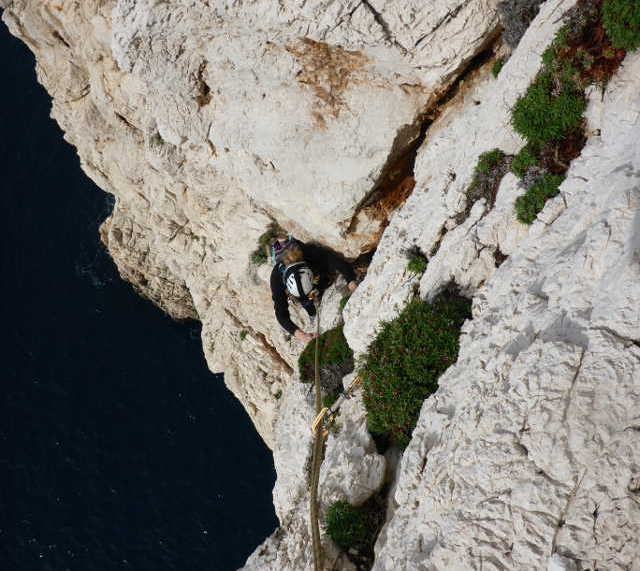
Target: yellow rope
[(318, 450)]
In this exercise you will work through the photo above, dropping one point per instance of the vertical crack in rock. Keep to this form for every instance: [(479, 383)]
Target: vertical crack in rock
[(446, 18), (563, 514), (203, 90), (565, 412), (377, 16), (59, 37), (396, 181)]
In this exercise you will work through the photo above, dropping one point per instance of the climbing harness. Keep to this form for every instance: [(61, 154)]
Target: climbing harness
[(320, 434)]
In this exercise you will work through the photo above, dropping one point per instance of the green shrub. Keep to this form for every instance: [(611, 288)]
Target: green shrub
[(243, 335), (558, 44), (417, 265), (621, 20), (532, 202), (497, 67), (523, 161), (405, 360), (334, 353), (260, 255), (488, 161), (346, 525), (541, 117)]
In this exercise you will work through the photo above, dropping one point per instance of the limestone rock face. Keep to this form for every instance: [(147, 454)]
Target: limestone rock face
[(208, 120), (527, 457)]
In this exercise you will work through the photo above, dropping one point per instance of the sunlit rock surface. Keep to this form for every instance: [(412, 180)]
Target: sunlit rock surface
[(207, 120)]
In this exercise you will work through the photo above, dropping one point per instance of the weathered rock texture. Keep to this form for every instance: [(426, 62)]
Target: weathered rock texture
[(208, 120)]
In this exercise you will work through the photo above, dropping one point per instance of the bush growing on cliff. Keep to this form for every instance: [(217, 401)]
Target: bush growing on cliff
[(542, 115), (346, 525), (406, 359), (532, 202), (621, 20), (523, 161), (336, 358)]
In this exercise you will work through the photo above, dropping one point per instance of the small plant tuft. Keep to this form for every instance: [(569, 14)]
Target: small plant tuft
[(343, 302), (335, 356), (243, 335), (523, 161), (417, 264), (549, 109), (406, 359), (497, 67), (621, 20), (488, 173), (489, 161), (529, 205), (278, 394), (346, 525), (261, 254)]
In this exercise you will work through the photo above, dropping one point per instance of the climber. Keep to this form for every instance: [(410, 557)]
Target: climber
[(303, 272)]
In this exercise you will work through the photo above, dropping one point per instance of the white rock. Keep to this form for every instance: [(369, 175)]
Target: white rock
[(206, 120)]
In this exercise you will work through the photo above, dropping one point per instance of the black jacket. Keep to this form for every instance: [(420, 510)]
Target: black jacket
[(324, 264)]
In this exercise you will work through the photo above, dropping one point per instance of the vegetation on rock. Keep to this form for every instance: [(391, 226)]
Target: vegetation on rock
[(549, 116), (497, 67), (261, 254), (406, 359), (549, 109), (532, 202), (488, 173), (524, 160), (346, 525), (335, 359), (417, 264), (621, 20)]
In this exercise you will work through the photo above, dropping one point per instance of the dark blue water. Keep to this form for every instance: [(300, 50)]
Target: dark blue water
[(118, 448)]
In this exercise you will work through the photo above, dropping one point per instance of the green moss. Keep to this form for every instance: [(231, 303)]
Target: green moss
[(406, 359), (334, 352), (540, 116), (261, 254), (532, 202), (346, 525), (524, 160), (621, 20), (417, 265), (497, 67)]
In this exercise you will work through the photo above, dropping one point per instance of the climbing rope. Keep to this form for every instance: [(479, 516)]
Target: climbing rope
[(320, 433), (318, 450)]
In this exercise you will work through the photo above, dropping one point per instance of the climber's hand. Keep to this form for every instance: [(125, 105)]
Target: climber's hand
[(352, 285), (302, 336)]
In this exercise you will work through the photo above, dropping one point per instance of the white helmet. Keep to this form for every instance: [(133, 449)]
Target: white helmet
[(298, 279)]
